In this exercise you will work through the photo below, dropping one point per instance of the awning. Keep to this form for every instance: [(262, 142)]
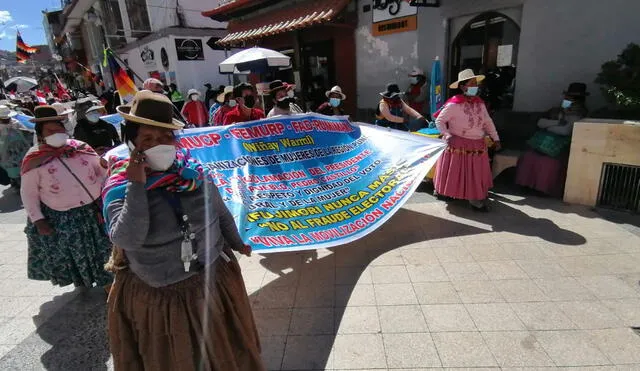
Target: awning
[(235, 8), (287, 19)]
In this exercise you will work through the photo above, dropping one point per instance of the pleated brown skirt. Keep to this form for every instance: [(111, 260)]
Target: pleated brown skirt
[(195, 324)]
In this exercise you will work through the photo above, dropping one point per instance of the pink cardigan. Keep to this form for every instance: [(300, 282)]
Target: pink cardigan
[(54, 186), (468, 119)]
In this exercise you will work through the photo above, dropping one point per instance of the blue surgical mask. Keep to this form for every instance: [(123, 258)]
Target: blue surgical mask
[(472, 91), (566, 103), (334, 102)]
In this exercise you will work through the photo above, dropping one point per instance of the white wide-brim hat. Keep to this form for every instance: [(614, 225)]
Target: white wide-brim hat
[(6, 112), (337, 90), (192, 91), (465, 75), (62, 109)]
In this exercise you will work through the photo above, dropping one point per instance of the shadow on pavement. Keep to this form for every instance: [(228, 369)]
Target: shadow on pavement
[(324, 285), (74, 338), (504, 218), (10, 200)]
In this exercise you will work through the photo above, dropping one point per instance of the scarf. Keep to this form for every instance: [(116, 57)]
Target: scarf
[(185, 175), (43, 154), (458, 99)]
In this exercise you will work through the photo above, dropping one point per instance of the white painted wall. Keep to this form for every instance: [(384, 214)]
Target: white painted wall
[(382, 60), (193, 74), (568, 40), (561, 41), (192, 10), (188, 74), (163, 14)]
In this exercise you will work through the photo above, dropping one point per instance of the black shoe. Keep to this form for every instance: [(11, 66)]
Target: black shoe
[(481, 209), (441, 197)]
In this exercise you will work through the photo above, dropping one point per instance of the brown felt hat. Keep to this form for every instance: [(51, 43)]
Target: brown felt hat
[(149, 108), (47, 113)]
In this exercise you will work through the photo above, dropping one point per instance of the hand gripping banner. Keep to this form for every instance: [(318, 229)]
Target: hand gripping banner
[(311, 181)]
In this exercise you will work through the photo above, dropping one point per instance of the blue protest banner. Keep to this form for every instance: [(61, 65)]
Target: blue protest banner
[(114, 119), (24, 121), (310, 181)]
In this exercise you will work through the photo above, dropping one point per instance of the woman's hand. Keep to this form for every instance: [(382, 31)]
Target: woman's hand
[(136, 171), (43, 227), (245, 250), (497, 145)]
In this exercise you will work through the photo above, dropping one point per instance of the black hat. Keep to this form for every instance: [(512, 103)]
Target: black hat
[(577, 89), (392, 91), (208, 85), (47, 113), (276, 85)]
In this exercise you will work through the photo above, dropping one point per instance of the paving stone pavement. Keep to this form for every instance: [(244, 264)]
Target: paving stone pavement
[(535, 284)]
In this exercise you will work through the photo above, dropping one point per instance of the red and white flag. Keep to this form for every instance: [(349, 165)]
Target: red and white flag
[(40, 97)]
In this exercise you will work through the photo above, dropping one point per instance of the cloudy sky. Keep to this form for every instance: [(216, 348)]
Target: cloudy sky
[(25, 15)]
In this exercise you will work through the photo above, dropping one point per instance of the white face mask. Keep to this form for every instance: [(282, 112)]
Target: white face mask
[(93, 117), (195, 97), (57, 140), (290, 94), (413, 80), (232, 103), (161, 157)]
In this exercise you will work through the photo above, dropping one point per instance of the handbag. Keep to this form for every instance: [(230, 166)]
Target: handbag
[(97, 203), (548, 143)]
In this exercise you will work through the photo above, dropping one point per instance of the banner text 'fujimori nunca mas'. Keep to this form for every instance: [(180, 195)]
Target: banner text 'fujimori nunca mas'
[(311, 181)]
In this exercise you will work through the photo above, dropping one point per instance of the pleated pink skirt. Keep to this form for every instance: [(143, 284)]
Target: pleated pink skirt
[(464, 171), (542, 173)]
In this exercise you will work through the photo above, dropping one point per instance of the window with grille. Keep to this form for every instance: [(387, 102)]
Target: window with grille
[(138, 18), (620, 187)]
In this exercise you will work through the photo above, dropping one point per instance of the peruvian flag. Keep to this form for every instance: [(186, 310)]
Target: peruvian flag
[(42, 101)]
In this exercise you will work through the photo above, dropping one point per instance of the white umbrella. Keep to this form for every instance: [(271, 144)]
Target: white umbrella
[(254, 59), (22, 83)]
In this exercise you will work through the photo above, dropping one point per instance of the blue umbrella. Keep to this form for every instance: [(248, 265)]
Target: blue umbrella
[(437, 98)]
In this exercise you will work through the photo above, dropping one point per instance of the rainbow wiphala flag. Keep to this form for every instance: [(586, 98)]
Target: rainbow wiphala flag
[(23, 51), (125, 85)]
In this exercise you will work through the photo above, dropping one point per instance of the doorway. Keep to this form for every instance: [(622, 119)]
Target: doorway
[(488, 44), (318, 72)]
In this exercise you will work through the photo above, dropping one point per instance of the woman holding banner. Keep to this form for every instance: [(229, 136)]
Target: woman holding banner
[(178, 301), (463, 169)]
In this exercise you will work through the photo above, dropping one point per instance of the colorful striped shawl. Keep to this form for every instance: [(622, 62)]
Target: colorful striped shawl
[(186, 175)]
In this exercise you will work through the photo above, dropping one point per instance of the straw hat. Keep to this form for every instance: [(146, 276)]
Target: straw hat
[(6, 112), (337, 90), (465, 75), (149, 108), (417, 72), (227, 90), (47, 113), (191, 92), (97, 107), (61, 109)]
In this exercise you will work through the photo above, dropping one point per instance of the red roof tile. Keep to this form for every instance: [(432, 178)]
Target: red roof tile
[(291, 18)]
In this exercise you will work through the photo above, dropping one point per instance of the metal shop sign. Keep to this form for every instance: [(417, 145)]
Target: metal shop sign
[(189, 50), (393, 16)]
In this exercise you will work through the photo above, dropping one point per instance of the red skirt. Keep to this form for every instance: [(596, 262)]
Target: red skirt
[(542, 173), (464, 171)]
